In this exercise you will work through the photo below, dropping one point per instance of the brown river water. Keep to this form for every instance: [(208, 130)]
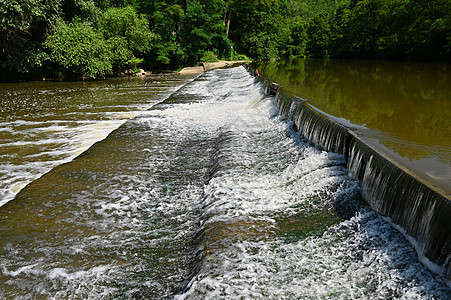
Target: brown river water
[(402, 108), (46, 123)]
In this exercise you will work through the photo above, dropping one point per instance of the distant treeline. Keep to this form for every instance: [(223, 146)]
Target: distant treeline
[(96, 38)]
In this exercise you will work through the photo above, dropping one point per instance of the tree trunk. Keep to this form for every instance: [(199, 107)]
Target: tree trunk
[(229, 16)]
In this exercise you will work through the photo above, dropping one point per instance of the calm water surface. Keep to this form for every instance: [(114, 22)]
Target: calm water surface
[(404, 108)]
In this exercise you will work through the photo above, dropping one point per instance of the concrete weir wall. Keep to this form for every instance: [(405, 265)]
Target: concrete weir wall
[(206, 66), (419, 207)]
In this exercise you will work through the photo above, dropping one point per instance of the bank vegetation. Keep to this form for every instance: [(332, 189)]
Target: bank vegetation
[(98, 38)]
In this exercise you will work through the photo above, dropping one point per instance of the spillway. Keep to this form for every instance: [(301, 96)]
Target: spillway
[(419, 207), (213, 193)]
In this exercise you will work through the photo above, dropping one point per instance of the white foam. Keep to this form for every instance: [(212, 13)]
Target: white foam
[(360, 259), (62, 137), (418, 248), (345, 263)]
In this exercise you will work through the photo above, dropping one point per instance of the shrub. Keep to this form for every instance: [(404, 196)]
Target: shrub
[(126, 23), (80, 49), (209, 56)]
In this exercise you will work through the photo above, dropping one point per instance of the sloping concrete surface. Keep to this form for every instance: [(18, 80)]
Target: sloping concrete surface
[(206, 66)]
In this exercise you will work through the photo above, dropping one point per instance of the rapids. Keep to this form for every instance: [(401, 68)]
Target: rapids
[(44, 124)]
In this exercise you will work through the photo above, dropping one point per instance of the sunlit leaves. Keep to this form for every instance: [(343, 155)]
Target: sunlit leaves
[(96, 51), (79, 48), (125, 22)]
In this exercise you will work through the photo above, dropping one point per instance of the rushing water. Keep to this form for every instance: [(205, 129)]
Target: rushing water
[(208, 195), (44, 124), (403, 108)]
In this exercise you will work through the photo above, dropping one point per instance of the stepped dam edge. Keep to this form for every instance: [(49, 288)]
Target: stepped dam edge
[(420, 207)]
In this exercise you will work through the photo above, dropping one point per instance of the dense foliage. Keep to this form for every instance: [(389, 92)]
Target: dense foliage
[(96, 38), (394, 29)]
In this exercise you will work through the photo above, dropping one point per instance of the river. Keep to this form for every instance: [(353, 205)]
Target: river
[(46, 123), (401, 108), (207, 195)]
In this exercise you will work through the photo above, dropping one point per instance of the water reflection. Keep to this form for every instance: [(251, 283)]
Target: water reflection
[(405, 106)]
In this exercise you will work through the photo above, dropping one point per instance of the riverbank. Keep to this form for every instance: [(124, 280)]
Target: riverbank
[(58, 76)]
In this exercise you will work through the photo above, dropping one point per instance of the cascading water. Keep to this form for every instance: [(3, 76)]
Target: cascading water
[(424, 213), (46, 123), (387, 187), (312, 126), (209, 195)]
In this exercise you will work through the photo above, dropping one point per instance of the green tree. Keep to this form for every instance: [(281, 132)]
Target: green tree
[(392, 28), (320, 35), (297, 44), (126, 23), (23, 24), (87, 10), (377, 27), (204, 29), (172, 33), (165, 22), (259, 28), (430, 30), (81, 50), (339, 27), (127, 34)]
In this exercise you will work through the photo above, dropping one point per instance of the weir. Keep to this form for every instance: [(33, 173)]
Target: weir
[(420, 208), (210, 195)]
